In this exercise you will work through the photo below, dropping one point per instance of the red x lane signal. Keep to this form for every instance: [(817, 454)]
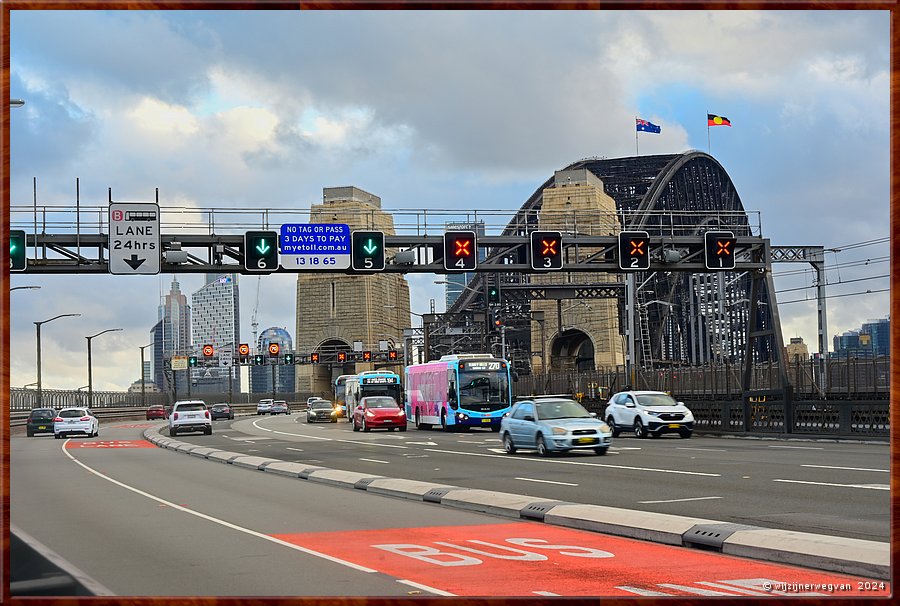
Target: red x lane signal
[(460, 251), (634, 250), (719, 249), (546, 250)]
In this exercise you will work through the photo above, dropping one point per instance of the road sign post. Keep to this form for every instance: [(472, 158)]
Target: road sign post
[(134, 238), (315, 246)]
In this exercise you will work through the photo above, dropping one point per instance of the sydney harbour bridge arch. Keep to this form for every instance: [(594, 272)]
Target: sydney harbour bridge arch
[(679, 318)]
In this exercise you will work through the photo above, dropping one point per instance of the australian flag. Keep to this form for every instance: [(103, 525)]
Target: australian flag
[(647, 127)]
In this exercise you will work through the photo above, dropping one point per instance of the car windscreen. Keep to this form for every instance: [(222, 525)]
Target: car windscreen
[(42, 413), (561, 409), (73, 413), (189, 407), (321, 405), (381, 403), (656, 399)]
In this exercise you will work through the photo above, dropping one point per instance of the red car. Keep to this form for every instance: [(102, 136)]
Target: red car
[(157, 411), (375, 412)]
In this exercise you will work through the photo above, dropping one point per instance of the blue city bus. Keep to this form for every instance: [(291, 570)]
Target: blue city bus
[(461, 390), (371, 383)]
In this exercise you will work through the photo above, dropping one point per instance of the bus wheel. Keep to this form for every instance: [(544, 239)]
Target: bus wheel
[(419, 424), (444, 425)]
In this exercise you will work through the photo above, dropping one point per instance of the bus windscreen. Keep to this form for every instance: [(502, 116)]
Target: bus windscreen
[(477, 386)]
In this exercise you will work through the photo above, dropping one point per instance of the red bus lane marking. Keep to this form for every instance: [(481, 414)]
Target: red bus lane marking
[(110, 444), (528, 559)]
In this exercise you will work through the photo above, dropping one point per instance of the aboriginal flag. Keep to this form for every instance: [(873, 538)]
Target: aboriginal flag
[(714, 120)]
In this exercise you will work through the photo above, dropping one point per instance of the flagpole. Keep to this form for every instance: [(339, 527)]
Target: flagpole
[(708, 145), (636, 151)]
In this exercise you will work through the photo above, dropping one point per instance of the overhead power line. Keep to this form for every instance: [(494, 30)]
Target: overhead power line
[(858, 245), (809, 270), (832, 283), (849, 294)]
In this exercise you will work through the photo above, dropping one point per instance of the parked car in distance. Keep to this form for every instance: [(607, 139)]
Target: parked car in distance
[(221, 411), (190, 415), (75, 420), (551, 425), (279, 407), (264, 407), (376, 412), (320, 410), (40, 420), (650, 413), (157, 411)]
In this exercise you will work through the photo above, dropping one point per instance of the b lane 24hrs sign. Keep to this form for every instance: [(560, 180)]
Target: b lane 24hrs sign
[(315, 246), (133, 238)]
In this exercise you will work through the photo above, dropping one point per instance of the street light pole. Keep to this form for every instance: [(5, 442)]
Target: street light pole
[(90, 382), (37, 326), (143, 393)]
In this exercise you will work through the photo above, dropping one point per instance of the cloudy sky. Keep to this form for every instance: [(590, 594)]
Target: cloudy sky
[(435, 110)]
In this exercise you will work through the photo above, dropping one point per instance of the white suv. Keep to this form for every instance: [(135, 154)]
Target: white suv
[(190, 415), (648, 413), (264, 407)]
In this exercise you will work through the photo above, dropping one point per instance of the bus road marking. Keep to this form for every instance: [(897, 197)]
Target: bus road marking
[(546, 481)]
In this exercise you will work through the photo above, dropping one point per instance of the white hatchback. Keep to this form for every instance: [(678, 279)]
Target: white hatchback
[(190, 415), (75, 420)]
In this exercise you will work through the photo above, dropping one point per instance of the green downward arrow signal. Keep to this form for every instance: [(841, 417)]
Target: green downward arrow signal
[(370, 247), (262, 247)]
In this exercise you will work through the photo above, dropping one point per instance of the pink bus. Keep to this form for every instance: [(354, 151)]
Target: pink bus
[(464, 390)]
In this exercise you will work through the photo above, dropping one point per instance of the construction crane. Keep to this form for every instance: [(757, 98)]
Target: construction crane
[(253, 321)]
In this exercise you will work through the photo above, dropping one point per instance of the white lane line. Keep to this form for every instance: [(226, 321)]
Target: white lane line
[(741, 590), (301, 435), (639, 591), (425, 588), (847, 468), (412, 456), (869, 486), (681, 500), (705, 449), (249, 438), (374, 461), (546, 481), (546, 593), (800, 447), (297, 449), (675, 471), (209, 518)]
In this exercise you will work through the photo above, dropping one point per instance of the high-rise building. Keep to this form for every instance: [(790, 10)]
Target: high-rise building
[(215, 320), (457, 281), (261, 376), (872, 339), (172, 333)]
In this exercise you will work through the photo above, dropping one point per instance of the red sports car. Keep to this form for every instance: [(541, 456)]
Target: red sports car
[(375, 412), (157, 411)]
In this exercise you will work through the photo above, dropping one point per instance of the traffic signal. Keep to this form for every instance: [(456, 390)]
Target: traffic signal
[(243, 351), (208, 351), (493, 294), (719, 249), (289, 359), (314, 357), (368, 250), (392, 354), (17, 260), (496, 322), (546, 250), (634, 250), (342, 356), (259, 360), (261, 251), (460, 251), (367, 356), (192, 361)]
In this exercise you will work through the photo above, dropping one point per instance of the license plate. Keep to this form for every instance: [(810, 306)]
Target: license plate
[(674, 425), (71, 421), (42, 427), (585, 440), (485, 420)]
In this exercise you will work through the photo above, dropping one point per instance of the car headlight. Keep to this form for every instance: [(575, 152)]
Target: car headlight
[(604, 427), (688, 416), (559, 431), (652, 413), (369, 413)]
